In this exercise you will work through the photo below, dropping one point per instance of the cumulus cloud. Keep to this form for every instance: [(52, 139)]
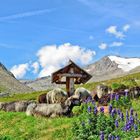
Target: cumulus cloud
[(116, 44), (36, 66), (52, 57), (126, 27), (113, 30), (20, 70), (103, 46)]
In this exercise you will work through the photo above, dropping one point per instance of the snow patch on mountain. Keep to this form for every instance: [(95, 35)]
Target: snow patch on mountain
[(126, 64)]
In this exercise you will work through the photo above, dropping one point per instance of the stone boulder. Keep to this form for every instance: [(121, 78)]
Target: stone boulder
[(56, 96), (16, 106), (46, 110), (82, 93), (101, 90)]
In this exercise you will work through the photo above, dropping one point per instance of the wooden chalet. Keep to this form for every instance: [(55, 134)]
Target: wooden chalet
[(71, 74)]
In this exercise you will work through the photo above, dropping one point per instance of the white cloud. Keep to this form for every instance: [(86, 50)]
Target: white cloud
[(116, 44), (35, 65), (126, 27), (47, 70), (113, 30), (52, 57), (118, 34), (20, 70), (103, 46)]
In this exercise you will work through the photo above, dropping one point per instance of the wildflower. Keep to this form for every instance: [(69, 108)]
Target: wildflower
[(102, 109), (113, 112), (127, 114), (119, 111), (131, 111), (111, 96), (89, 109), (126, 93), (116, 123), (93, 102), (117, 97), (136, 116), (110, 108), (135, 127), (122, 116), (95, 110), (109, 137), (117, 138), (131, 120), (101, 135), (89, 99)]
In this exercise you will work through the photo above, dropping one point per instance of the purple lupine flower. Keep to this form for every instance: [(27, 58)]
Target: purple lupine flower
[(95, 110), (128, 126), (116, 123), (127, 114), (135, 127), (119, 111), (93, 102), (113, 112), (117, 97), (111, 96), (89, 109), (131, 111), (109, 137), (131, 120), (122, 116), (113, 137), (126, 93), (102, 109), (89, 99), (117, 138), (110, 108), (136, 116), (101, 135)]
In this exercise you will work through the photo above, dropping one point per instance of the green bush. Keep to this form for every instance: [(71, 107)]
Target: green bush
[(117, 86), (91, 125), (76, 110)]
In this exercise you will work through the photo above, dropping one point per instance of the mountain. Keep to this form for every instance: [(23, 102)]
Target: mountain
[(39, 84), (111, 67), (8, 83), (107, 68)]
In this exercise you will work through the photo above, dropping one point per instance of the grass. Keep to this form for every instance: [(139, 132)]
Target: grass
[(24, 96), (18, 126), (122, 80)]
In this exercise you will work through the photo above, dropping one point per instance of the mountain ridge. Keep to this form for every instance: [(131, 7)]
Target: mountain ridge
[(9, 84), (103, 69)]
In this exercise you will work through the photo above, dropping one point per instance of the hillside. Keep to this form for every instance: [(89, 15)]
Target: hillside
[(109, 67), (40, 84), (9, 84)]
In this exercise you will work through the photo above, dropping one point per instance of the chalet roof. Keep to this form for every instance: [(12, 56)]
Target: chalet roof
[(80, 75)]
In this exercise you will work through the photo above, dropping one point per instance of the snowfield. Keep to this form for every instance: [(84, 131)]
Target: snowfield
[(126, 64)]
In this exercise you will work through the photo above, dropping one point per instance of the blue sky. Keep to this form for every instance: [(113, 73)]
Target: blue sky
[(98, 27)]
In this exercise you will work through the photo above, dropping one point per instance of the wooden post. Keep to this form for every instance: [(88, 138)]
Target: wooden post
[(67, 86)]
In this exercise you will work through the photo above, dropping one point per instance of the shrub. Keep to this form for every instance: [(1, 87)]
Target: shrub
[(117, 86), (123, 102), (93, 124)]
